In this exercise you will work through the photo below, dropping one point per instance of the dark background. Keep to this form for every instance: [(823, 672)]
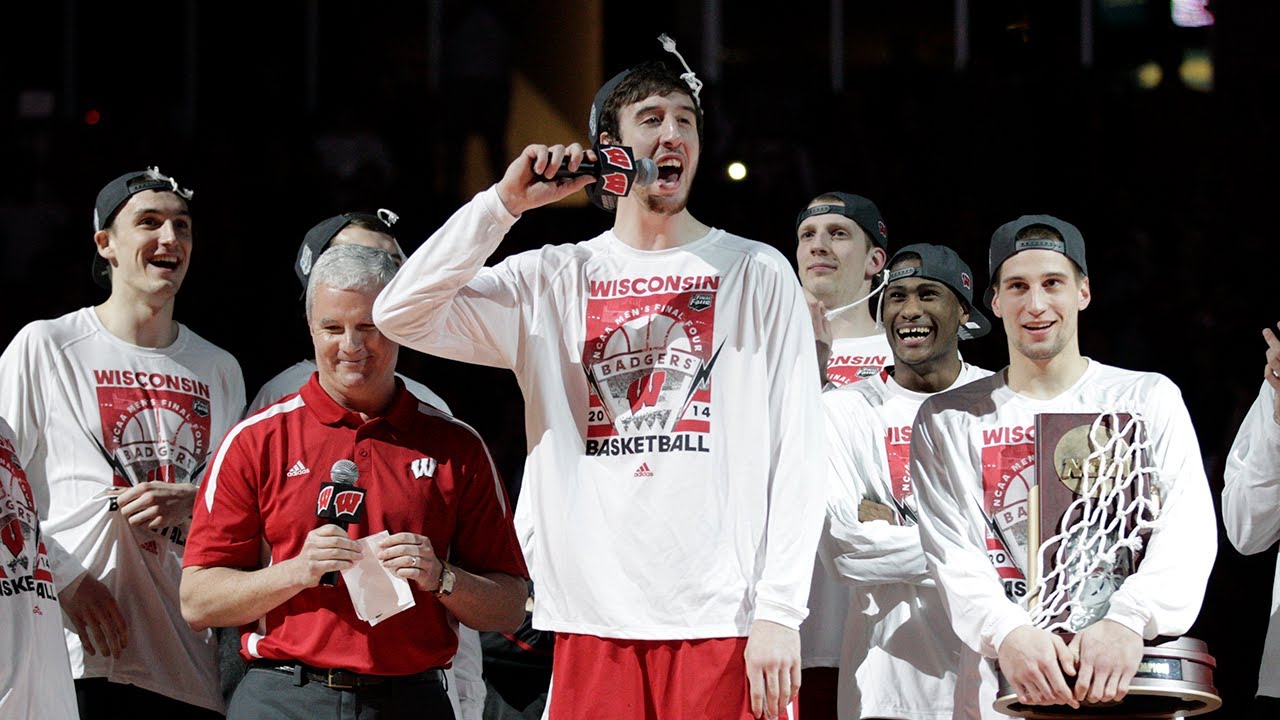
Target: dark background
[(281, 114)]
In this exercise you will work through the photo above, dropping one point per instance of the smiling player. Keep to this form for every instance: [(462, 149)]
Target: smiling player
[(117, 408), (972, 459), (899, 653)]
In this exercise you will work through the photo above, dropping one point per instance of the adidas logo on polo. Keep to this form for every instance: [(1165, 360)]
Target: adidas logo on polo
[(644, 471), (298, 469)]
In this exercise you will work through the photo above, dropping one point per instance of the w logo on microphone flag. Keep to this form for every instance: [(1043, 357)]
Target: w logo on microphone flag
[(338, 501)]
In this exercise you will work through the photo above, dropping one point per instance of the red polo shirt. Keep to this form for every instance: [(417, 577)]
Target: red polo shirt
[(425, 473)]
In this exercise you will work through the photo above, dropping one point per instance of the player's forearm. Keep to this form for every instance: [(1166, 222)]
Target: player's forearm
[(229, 597), (416, 303), (875, 553), (487, 601)]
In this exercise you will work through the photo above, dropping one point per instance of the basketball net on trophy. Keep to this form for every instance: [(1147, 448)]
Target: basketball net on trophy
[(1095, 500)]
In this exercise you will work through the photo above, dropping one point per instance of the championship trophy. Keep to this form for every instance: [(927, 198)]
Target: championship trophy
[(1090, 513)]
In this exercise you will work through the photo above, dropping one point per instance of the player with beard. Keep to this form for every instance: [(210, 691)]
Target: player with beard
[(672, 497), (973, 460), (899, 653), (116, 408), (841, 246)]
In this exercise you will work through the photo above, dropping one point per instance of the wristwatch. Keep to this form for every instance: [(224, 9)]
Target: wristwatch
[(445, 586)]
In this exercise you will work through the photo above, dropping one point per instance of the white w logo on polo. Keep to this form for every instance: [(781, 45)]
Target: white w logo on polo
[(424, 467)]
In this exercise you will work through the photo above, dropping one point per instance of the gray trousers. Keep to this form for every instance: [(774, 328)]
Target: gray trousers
[(273, 695)]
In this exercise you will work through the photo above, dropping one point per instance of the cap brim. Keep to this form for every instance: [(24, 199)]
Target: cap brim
[(101, 271), (977, 326)]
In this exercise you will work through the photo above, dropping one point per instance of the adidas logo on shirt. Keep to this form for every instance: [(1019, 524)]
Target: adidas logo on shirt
[(644, 471), (298, 469)]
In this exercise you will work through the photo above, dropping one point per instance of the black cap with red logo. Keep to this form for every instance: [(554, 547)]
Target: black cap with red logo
[(941, 263)]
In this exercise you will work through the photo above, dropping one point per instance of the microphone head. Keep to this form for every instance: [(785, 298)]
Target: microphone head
[(344, 472), (646, 172)]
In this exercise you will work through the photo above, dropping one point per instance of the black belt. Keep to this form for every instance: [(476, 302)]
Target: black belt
[(340, 679)]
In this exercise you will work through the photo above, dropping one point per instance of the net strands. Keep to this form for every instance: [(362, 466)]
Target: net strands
[(1118, 499)]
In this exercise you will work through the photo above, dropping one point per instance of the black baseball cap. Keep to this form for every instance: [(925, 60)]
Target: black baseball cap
[(858, 209), (941, 263), (115, 194), (318, 237), (1005, 244)]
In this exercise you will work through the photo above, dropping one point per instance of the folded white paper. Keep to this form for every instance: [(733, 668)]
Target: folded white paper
[(376, 592)]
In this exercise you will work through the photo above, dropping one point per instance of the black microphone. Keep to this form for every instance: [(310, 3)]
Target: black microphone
[(341, 503), (616, 170)]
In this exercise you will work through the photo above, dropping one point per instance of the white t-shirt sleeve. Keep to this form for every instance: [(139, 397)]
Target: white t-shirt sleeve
[(797, 489), (444, 302), (1163, 597), (1251, 497), (952, 534)]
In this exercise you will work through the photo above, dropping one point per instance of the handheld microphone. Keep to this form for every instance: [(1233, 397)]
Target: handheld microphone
[(616, 171), (341, 503)]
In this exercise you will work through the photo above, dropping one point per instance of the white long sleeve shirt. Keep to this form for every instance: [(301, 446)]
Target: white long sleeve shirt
[(972, 460), (900, 655), (673, 487), (821, 635), (1251, 510), (91, 412)]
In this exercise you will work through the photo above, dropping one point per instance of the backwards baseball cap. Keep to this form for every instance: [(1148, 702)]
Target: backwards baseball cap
[(944, 265), (605, 201), (318, 237), (858, 209), (115, 194), (1005, 244)]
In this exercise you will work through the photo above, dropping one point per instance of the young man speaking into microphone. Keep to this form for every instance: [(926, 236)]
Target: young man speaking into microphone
[(673, 492)]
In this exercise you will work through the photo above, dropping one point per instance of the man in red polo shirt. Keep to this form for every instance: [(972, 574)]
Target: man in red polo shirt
[(429, 483)]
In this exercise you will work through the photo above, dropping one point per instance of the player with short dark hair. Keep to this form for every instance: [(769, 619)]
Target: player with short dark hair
[(973, 462), (672, 496), (899, 653), (117, 409)]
